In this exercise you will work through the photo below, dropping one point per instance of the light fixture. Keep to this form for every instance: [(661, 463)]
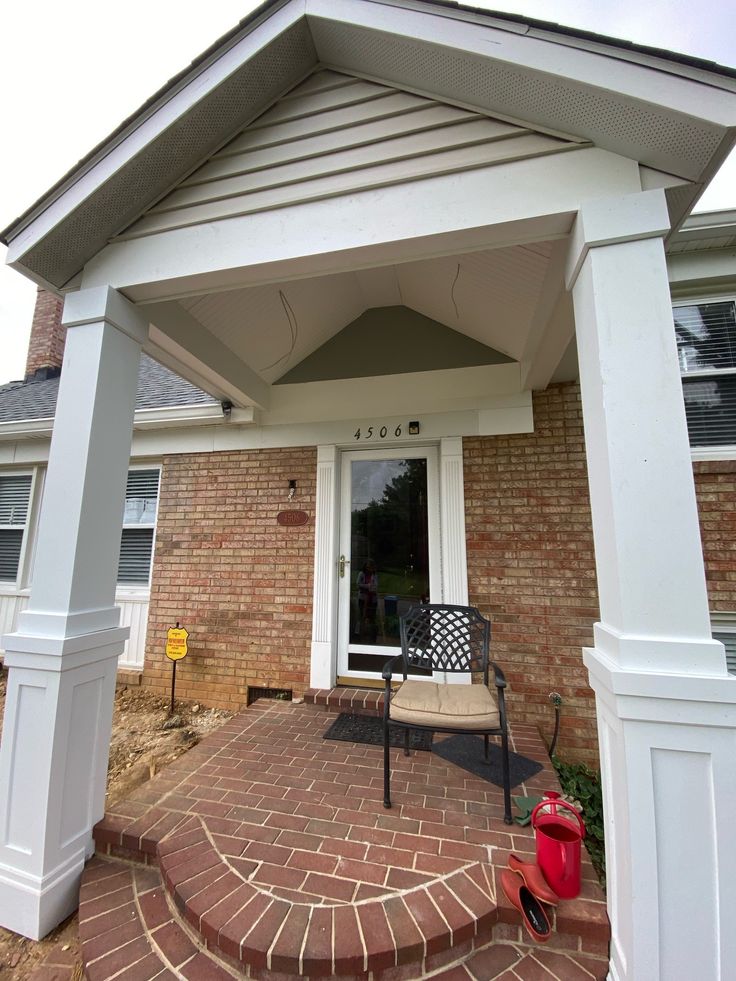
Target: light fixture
[(292, 489), (414, 428), (227, 408)]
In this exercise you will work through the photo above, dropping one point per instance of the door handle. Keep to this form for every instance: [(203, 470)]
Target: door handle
[(341, 565)]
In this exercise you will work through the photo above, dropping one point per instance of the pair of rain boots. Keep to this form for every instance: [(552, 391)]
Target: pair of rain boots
[(526, 889)]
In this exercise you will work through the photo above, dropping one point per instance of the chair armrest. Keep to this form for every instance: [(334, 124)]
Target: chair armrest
[(388, 668), (498, 676)]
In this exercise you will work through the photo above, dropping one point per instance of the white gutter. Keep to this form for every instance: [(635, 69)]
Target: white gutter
[(171, 417)]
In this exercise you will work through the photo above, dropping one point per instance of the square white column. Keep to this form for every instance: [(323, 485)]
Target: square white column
[(63, 657), (665, 703)]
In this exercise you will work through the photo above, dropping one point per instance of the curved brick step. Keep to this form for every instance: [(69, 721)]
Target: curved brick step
[(127, 930), (251, 924)]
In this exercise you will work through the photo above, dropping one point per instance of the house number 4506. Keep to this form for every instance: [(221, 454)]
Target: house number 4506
[(371, 431)]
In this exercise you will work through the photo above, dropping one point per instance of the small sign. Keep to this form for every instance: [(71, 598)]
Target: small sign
[(176, 643), (291, 518)]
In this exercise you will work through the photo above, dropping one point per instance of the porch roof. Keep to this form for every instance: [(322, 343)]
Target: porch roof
[(593, 88)]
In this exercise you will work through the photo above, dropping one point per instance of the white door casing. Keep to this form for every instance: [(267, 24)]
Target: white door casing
[(450, 583)]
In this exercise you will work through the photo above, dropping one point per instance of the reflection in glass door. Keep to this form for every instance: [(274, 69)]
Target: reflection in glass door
[(388, 542)]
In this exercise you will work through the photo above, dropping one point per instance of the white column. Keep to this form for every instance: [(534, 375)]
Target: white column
[(62, 659), (666, 706), (323, 664), (453, 549)]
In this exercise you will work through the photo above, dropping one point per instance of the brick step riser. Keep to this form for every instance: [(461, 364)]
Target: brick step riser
[(157, 933)]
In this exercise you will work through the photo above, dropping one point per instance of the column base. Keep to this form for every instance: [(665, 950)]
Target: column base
[(667, 745), (53, 771), (32, 906)]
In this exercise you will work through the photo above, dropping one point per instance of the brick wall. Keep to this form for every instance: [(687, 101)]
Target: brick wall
[(239, 582), (46, 344), (715, 484), (531, 567)]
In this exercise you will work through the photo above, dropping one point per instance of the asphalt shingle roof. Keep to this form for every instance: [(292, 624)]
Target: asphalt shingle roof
[(158, 388)]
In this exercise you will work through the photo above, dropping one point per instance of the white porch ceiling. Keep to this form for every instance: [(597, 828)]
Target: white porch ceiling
[(490, 296)]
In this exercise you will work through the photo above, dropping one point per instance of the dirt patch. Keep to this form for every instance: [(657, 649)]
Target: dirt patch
[(139, 747)]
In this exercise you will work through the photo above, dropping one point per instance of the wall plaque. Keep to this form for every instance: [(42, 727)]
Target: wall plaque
[(291, 518)]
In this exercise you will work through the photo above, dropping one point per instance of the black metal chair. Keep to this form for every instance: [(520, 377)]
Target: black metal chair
[(454, 639)]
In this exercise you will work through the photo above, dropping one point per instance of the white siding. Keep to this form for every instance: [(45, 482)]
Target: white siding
[(133, 614), (335, 134)]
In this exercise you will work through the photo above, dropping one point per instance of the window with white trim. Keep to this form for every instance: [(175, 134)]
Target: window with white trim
[(139, 527), (706, 348), (15, 498)]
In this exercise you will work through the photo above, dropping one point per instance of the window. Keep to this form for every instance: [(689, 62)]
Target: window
[(15, 495), (706, 347), (139, 525), (724, 629)]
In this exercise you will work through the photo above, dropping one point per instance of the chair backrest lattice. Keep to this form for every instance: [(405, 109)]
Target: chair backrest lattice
[(441, 637)]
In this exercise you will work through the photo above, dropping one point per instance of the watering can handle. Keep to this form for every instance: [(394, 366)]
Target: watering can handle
[(547, 802)]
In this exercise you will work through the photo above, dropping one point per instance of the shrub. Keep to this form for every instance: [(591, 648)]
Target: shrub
[(582, 785)]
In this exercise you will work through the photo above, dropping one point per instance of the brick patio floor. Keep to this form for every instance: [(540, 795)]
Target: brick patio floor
[(276, 859)]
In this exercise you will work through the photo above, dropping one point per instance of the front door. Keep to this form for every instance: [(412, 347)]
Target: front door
[(389, 551)]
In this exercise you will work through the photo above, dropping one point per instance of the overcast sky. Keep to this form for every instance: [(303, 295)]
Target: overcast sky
[(73, 70)]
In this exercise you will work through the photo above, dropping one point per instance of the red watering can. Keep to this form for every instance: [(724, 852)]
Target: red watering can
[(558, 846)]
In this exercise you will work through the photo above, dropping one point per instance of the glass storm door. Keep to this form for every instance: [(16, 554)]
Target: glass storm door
[(389, 551)]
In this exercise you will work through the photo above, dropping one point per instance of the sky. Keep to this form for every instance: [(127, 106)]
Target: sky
[(72, 71)]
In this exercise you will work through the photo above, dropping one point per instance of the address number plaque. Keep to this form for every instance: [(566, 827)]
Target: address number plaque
[(375, 432)]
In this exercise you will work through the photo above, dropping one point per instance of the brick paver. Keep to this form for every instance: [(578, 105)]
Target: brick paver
[(274, 846)]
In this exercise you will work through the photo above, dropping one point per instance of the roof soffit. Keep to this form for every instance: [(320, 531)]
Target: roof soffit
[(648, 114)]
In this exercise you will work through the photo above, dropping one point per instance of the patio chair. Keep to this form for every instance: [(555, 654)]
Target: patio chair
[(452, 639)]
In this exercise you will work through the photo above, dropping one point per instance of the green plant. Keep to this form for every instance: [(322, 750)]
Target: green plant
[(583, 786)]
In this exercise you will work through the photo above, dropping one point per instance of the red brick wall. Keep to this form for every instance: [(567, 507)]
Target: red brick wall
[(46, 345), (239, 582), (715, 484), (531, 567)]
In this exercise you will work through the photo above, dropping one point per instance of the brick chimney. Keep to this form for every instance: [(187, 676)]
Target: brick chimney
[(46, 345)]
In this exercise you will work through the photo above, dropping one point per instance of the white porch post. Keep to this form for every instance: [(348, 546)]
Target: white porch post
[(666, 706), (62, 659)]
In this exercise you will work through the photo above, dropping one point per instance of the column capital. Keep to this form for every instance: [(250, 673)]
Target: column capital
[(609, 221), (105, 304)]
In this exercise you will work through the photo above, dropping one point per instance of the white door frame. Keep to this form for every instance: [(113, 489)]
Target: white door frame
[(426, 452), (453, 571)]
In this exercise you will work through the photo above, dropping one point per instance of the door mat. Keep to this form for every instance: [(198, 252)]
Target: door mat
[(369, 729), (466, 751)]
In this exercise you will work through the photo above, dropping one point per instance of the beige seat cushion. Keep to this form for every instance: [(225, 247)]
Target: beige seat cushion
[(425, 703)]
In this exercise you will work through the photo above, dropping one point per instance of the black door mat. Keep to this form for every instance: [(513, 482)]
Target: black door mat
[(466, 750), (351, 728)]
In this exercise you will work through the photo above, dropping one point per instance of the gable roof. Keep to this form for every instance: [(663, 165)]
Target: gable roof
[(595, 88)]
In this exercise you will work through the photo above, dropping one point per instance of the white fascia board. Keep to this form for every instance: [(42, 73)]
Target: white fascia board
[(174, 417), (142, 131), (538, 52), (507, 204), (707, 225)]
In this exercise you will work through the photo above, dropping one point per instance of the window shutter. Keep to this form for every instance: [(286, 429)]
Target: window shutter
[(136, 548), (15, 492)]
